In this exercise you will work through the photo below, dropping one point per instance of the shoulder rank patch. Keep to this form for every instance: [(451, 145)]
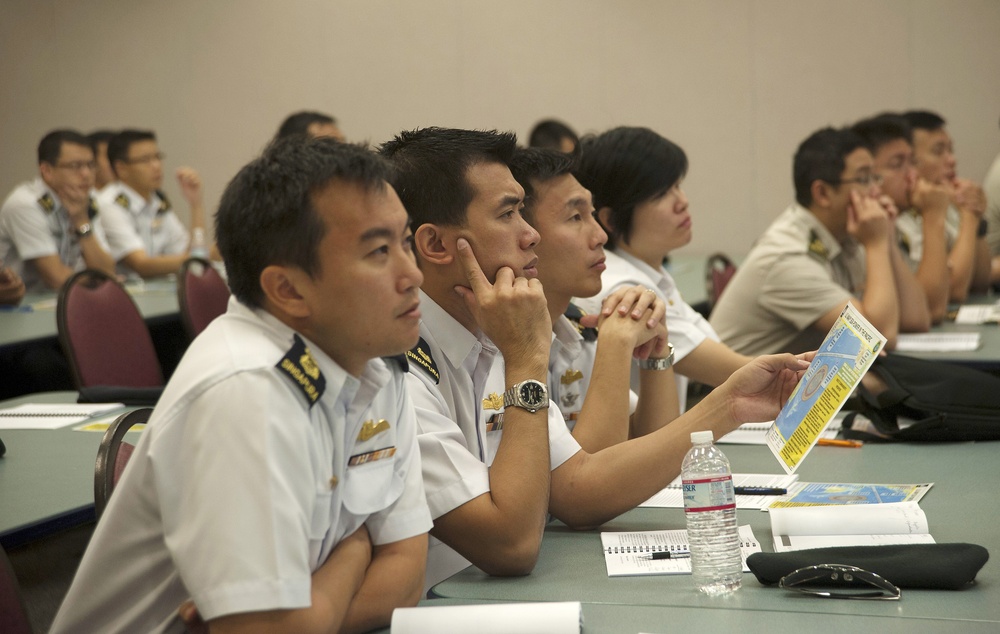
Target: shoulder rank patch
[(574, 313), (122, 201), (47, 202), (399, 360), (298, 364), (816, 246), (421, 357), (92, 209), (164, 202), (904, 242)]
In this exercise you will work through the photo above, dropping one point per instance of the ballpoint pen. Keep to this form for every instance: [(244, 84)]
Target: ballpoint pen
[(836, 442), (759, 490), (668, 554)]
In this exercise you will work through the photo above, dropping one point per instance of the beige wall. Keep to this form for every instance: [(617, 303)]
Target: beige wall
[(737, 83)]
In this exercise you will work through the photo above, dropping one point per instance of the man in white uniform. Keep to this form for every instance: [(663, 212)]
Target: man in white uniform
[(496, 456), (278, 484), (147, 238), (834, 245), (50, 228)]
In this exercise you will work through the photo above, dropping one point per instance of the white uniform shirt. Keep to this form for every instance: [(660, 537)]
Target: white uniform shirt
[(686, 328), (571, 366), (795, 273), (991, 185), (457, 381), (239, 488), (135, 224), (34, 224), (910, 233)]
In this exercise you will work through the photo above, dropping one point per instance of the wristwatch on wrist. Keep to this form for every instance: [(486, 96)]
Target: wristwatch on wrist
[(531, 395), (982, 228), (664, 363), (83, 230)]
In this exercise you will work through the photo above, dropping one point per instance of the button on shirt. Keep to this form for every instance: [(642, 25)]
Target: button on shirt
[(34, 224), (459, 406), (135, 224), (239, 489), (795, 273), (686, 328), (571, 366)]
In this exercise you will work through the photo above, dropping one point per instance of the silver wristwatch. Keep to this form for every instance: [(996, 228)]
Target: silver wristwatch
[(664, 363), (83, 230), (531, 395)]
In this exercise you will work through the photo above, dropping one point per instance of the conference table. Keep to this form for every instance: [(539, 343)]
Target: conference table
[(571, 563)]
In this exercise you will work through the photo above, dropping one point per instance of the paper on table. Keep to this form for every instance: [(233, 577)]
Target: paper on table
[(938, 342), (627, 554), (798, 528), (828, 493), (978, 314), (52, 415), (845, 355), (525, 618), (672, 496)]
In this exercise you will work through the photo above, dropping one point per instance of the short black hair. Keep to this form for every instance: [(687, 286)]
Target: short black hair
[(299, 122), (549, 133), (119, 144), (625, 167), (432, 165), (51, 144), (532, 166), (821, 157), (99, 136), (267, 214), (882, 129), (924, 120)]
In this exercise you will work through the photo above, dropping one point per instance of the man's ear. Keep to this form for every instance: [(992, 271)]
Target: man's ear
[(821, 192), (431, 245), (45, 169), (281, 290)]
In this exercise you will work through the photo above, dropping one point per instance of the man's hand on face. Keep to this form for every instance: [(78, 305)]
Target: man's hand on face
[(930, 199), (511, 311), (867, 220)]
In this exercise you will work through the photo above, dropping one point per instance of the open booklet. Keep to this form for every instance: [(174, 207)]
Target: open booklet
[(846, 354), (629, 554), (852, 525), (841, 493)]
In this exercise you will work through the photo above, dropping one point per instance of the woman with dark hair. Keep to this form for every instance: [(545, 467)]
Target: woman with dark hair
[(635, 176)]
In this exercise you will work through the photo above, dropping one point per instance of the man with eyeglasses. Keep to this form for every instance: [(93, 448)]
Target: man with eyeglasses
[(835, 244), (923, 205), (146, 236), (966, 229), (49, 227)]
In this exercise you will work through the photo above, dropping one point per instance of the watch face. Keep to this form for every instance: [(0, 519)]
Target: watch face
[(531, 393)]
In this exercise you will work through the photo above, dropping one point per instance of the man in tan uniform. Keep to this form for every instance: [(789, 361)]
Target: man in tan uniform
[(834, 245)]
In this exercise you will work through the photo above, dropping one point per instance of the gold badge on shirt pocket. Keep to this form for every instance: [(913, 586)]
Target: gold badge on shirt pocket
[(493, 401), (370, 429), (371, 456)]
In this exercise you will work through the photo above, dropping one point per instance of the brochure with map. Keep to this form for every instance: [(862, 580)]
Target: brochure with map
[(846, 354), (831, 494)]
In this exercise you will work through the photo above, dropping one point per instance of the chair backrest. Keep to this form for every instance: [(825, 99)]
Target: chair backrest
[(103, 334), (13, 612), (719, 269), (113, 455), (202, 295)]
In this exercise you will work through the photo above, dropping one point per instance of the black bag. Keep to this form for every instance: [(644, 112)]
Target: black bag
[(948, 402)]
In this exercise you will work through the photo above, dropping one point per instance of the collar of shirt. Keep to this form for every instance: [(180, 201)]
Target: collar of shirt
[(833, 247), (40, 188), (459, 343), (138, 204), (567, 342), (657, 276)]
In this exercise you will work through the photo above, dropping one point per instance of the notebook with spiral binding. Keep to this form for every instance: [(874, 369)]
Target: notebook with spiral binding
[(52, 415), (630, 553)]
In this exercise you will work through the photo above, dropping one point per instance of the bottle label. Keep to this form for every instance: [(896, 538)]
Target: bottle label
[(709, 494)]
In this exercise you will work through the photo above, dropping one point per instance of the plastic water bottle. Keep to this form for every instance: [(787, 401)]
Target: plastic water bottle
[(710, 510)]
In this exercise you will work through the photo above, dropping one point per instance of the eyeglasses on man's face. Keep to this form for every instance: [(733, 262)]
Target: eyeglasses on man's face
[(840, 581), (148, 158), (78, 166), (865, 180)]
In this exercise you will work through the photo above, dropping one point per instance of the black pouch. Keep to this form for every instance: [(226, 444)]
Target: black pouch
[(928, 566), (948, 402), (131, 396)]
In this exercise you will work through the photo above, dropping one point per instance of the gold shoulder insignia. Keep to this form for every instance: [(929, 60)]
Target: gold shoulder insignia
[(92, 209), (421, 357), (493, 401), (370, 429), (122, 200), (573, 314), (299, 366), (164, 203), (816, 247), (47, 202), (570, 376), (904, 242)]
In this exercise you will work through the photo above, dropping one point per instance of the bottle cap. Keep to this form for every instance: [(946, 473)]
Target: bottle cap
[(701, 437)]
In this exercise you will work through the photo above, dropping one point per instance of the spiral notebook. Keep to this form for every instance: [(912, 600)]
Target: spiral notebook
[(628, 554), (52, 415)]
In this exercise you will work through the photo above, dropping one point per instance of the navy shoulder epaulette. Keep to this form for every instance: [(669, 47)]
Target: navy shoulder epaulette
[(122, 200), (573, 314), (300, 367), (420, 357), (164, 202), (399, 360), (47, 202), (816, 247), (92, 209)]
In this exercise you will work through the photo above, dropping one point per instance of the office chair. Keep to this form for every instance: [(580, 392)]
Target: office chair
[(113, 455), (202, 295), (719, 269), (103, 334), (13, 612)]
